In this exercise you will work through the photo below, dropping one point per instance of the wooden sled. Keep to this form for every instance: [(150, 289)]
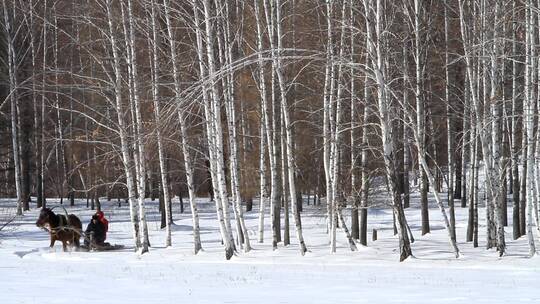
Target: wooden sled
[(93, 246), (104, 247)]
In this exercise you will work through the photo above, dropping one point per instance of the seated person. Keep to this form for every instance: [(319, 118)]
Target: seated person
[(104, 221), (95, 232)]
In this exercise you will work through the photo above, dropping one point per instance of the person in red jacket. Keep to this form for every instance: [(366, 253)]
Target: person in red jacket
[(104, 221)]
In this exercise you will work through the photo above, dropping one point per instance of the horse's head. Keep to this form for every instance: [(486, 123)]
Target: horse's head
[(44, 217)]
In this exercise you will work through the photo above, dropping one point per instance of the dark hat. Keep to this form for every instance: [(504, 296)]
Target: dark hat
[(95, 217)]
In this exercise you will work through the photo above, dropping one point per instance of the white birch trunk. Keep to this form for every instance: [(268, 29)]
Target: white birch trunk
[(406, 137), (263, 195), (215, 103), (12, 71), (355, 225), (364, 155), (272, 138), (226, 95), (491, 155), (514, 134), (124, 144), (233, 144), (60, 152), (450, 127), (284, 175), (336, 138), (529, 123), (207, 68), (431, 180), (43, 98), (288, 132), (536, 209), (265, 131), (141, 185), (498, 161), (157, 115), (420, 115), (419, 137), (188, 165), (36, 126), (327, 117), (379, 59)]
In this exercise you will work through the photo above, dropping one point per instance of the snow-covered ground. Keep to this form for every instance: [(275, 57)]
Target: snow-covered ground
[(30, 272)]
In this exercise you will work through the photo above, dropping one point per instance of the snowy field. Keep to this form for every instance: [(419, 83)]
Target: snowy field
[(30, 272)]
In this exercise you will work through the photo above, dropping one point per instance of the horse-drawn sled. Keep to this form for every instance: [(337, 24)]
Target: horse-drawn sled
[(102, 247), (92, 245), (68, 230)]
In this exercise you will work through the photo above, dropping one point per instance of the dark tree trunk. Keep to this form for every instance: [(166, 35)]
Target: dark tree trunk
[(71, 195), (299, 201), (277, 216), (424, 202), (355, 223), (181, 202), (516, 231), (25, 175), (155, 186), (249, 204), (25, 152), (98, 203), (209, 180), (523, 198), (394, 223), (363, 223), (457, 176), (470, 222), (39, 187), (400, 161), (162, 207), (406, 169), (463, 181)]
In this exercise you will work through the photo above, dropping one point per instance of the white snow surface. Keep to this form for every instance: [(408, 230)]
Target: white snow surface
[(31, 272)]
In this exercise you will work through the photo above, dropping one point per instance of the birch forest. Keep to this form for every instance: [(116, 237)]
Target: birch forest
[(269, 106)]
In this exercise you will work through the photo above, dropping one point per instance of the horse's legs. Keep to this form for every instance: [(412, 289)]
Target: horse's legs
[(64, 244), (53, 239), (76, 240)]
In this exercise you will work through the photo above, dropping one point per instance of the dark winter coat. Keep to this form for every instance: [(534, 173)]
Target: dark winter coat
[(104, 221), (98, 231)]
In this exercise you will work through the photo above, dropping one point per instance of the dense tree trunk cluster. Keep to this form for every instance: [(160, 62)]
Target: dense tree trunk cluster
[(280, 100)]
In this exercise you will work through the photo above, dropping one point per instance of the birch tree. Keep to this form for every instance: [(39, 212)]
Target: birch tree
[(529, 105), (490, 153), (122, 128), (276, 57), (379, 58), (10, 32), (450, 127), (153, 42), (213, 114), (273, 111), (182, 117), (419, 55)]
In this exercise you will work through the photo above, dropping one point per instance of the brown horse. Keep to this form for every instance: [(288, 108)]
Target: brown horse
[(67, 230)]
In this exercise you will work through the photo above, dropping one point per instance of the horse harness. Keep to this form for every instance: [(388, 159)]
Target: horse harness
[(63, 225)]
